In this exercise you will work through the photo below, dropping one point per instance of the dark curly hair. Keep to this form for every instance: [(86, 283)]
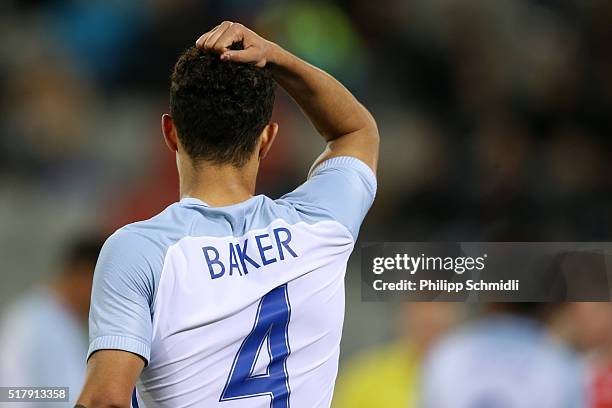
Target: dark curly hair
[(219, 107)]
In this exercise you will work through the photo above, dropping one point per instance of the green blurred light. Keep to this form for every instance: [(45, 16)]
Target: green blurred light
[(322, 34)]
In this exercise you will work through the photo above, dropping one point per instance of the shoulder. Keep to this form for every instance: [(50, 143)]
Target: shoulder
[(130, 248), (453, 351), (163, 229), (560, 360), (352, 169), (156, 234), (133, 256), (499, 340), (341, 189)]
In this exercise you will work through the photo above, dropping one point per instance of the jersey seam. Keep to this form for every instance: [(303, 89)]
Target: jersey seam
[(102, 343), (372, 182)]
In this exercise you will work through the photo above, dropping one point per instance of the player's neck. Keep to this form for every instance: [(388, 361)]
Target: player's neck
[(219, 185)]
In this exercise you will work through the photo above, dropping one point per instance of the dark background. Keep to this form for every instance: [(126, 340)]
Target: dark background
[(495, 120)]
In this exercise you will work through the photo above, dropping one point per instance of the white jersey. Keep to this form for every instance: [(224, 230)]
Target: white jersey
[(42, 344), (238, 306), (502, 362)]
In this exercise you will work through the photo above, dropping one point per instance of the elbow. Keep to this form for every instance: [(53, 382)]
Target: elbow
[(372, 132), (370, 126)]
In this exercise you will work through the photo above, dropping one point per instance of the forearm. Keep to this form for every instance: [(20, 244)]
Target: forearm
[(110, 379), (332, 109)]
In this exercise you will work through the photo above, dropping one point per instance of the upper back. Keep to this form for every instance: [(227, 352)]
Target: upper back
[(202, 292)]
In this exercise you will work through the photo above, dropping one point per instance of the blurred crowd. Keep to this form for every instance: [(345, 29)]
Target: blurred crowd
[(495, 120), (510, 355)]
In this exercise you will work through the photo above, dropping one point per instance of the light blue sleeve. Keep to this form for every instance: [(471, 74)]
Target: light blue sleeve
[(122, 294), (340, 188)]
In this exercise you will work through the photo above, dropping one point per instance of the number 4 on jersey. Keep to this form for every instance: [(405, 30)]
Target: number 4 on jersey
[(271, 323)]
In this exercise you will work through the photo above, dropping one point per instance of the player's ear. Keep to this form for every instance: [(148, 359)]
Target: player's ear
[(267, 138), (169, 131)]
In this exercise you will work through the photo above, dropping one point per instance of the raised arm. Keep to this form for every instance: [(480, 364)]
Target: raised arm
[(345, 124)]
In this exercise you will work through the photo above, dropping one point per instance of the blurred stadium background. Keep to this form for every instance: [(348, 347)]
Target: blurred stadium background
[(495, 120)]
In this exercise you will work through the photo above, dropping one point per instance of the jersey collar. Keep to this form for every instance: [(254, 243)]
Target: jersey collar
[(193, 201)]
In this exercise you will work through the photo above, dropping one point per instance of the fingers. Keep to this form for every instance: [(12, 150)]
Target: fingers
[(200, 41), (234, 33), (221, 37), (249, 55), (215, 42), (207, 41)]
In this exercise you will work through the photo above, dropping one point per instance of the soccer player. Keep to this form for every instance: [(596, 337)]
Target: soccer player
[(505, 359), (43, 339), (226, 299)]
